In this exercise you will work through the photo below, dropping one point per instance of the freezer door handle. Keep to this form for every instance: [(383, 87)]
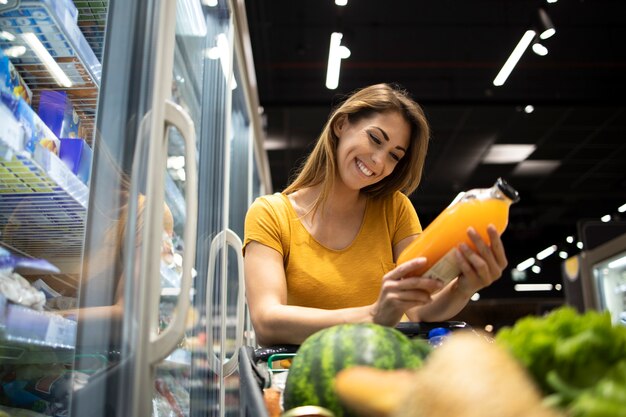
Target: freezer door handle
[(221, 365), (164, 343)]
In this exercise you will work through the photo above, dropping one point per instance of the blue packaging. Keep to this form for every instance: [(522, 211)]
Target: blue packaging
[(77, 155), (57, 112), (11, 81)]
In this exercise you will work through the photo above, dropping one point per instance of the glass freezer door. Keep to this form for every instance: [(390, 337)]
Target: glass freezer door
[(610, 280)]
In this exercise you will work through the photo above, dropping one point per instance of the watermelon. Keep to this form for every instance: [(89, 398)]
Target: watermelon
[(328, 351)]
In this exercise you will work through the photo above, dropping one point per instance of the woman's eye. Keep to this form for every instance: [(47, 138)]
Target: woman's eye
[(374, 139), (394, 157)]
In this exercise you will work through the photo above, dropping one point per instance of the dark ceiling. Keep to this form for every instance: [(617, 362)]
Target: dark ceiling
[(447, 53)]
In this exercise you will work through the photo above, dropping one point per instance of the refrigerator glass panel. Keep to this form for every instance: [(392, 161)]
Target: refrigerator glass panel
[(610, 280)]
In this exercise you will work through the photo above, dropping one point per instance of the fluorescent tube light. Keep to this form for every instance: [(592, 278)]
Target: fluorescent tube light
[(546, 252), (522, 266), (508, 154), (618, 262), (517, 53), (45, 57), (533, 287), (336, 53)]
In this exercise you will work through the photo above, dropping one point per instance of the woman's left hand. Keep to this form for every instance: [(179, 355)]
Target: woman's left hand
[(480, 268)]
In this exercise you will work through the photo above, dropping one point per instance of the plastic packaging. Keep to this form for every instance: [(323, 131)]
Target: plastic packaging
[(477, 208)]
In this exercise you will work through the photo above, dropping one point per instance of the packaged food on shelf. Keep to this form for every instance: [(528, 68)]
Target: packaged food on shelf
[(11, 131), (17, 289), (35, 130), (77, 155), (9, 261), (11, 80), (57, 112)]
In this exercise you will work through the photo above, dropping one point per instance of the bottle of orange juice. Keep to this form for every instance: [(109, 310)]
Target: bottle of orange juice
[(476, 208)]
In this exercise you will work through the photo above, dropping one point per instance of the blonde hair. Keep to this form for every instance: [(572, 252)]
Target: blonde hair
[(380, 98)]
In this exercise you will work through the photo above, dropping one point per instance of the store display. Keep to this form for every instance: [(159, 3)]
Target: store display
[(477, 208)]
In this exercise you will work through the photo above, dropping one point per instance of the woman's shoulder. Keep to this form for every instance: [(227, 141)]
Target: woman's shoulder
[(276, 203)]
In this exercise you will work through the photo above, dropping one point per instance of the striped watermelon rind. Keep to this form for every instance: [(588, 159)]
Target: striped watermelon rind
[(328, 351)]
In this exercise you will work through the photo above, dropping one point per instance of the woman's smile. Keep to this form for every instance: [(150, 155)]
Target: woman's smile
[(366, 171)]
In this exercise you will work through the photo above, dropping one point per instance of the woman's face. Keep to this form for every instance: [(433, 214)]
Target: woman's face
[(370, 149)]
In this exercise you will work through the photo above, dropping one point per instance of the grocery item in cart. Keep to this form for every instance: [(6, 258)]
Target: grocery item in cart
[(468, 376), (328, 351), (477, 208)]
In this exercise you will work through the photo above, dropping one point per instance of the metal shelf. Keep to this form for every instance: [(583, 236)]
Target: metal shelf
[(33, 328), (42, 204), (55, 24)]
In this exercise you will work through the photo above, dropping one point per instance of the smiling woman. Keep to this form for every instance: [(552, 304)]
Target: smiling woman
[(323, 251)]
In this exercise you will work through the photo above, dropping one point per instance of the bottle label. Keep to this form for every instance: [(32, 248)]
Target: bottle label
[(446, 268)]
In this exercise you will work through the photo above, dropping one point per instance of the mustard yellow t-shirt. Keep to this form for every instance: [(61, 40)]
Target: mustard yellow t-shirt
[(320, 277)]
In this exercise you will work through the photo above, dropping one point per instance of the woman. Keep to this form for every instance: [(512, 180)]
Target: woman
[(323, 251)]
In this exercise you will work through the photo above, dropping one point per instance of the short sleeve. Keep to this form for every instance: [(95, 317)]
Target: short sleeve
[(406, 221), (262, 225)]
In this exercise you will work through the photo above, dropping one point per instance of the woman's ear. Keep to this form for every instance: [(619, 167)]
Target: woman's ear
[(339, 125)]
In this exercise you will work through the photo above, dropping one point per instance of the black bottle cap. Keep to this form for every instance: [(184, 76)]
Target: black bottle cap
[(508, 190)]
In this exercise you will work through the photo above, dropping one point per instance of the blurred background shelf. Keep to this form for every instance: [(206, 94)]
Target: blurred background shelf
[(57, 26)]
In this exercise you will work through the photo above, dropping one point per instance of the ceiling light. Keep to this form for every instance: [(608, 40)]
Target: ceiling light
[(536, 269), (569, 239), (45, 57), (517, 53), (551, 1), (622, 208), (529, 109), (546, 22), (606, 218), (546, 252), (579, 245), (336, 53), (563, 254), (210, 3), (508, 154), (522, 266), (341, 2), (535, 167), (539, 49), (7, 35), (15, 51), (475, 297), (533, 287)]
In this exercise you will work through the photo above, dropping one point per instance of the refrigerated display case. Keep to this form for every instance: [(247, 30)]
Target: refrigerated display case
[(143, 309), (604, 278)]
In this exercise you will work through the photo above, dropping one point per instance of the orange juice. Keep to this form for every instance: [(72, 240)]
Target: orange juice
[(477, 208)]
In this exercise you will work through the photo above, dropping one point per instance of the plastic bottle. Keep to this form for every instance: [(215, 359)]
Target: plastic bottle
[(477, 208)]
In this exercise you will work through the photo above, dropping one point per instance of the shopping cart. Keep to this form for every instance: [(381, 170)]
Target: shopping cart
[(256, 365)]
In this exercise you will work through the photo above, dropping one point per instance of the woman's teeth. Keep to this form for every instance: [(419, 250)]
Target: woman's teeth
[(363, 168)]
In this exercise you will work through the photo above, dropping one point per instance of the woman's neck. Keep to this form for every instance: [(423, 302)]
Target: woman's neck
[(338, 201)]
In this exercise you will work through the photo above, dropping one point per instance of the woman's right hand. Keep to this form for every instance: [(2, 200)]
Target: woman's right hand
[(401, 291)]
